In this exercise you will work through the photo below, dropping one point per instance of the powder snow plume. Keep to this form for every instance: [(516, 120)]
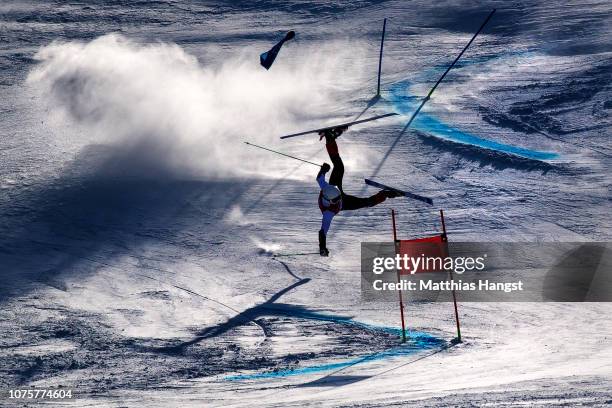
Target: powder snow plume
[(166, 111)]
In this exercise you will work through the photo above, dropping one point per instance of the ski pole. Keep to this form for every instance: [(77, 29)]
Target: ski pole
[(283, 154)]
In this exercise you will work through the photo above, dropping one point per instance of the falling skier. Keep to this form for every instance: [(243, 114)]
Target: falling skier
[(332, 198)]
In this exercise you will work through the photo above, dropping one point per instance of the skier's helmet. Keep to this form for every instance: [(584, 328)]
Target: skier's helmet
[(331, 193)]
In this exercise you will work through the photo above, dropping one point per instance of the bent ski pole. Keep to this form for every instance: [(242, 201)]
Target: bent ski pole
[(424, 101), (283, 154)]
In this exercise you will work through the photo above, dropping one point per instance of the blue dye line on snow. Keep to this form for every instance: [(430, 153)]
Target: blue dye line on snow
[(417, 341), (405, 103)]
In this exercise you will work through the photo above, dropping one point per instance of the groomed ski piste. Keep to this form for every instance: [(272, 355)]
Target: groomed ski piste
[(150, 258)]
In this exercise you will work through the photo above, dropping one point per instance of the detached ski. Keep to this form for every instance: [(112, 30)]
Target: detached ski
[(404, 193), (339, 125)]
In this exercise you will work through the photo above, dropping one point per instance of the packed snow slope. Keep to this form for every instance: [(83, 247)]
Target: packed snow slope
[(138, 230)]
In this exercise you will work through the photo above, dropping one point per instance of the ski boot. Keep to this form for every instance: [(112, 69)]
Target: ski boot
[(332, 134), (391, 193)]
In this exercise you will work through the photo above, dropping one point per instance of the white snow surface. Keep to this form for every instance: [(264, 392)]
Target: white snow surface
[(138, 230)]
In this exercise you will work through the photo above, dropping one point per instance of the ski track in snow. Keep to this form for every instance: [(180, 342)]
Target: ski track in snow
[(138, 286)]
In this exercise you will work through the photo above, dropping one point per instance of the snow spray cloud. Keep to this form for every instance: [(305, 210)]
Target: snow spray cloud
[(166, 112)]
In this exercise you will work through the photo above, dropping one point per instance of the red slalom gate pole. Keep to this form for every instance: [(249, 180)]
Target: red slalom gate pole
[(401, 302), (452, 278)]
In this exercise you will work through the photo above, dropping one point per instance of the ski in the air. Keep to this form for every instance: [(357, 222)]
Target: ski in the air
[(340, 125), (404, 193)]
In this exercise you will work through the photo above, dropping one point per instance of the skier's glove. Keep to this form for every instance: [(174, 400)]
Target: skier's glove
[(325, 168), (323, 244)]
